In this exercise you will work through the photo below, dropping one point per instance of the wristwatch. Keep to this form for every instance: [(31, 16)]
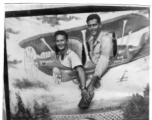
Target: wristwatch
[(83, 88)]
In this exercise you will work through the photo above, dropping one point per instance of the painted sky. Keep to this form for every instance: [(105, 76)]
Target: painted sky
[(62, 95)]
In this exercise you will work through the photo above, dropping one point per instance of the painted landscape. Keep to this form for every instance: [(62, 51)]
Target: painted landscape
[(43, 99)]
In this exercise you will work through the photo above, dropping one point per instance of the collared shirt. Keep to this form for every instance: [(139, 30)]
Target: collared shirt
[(71, 59), (101, 51)]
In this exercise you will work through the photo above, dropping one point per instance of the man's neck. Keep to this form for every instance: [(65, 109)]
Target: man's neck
[(95, 36), (63, 52)]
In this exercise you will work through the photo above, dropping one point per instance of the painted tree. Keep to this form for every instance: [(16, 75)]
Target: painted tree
[(138, 107), (40, 112)]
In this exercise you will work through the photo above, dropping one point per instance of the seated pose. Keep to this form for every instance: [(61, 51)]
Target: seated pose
[(101, 50), (70, 59)]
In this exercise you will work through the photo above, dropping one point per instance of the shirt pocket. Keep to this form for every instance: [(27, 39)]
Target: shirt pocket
[(97, 51)]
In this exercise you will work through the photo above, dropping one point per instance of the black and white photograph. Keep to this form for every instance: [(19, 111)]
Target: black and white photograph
[(77, 62)]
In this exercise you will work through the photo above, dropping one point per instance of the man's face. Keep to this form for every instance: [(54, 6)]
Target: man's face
[(93, 26), (61, 42)]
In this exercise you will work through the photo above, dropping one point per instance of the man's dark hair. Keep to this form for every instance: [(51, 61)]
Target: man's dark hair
[(61, 32), (93, 16)]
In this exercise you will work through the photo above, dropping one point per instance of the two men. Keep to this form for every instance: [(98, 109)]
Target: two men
[(100, 46)]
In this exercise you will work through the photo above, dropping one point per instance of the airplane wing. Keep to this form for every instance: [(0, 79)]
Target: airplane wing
[(135, 23)]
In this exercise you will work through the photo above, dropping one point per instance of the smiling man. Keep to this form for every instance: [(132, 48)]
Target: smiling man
[(70, 59), (101, 50)]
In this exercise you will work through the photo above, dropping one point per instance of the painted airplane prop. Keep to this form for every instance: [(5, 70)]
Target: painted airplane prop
[(40, 55)]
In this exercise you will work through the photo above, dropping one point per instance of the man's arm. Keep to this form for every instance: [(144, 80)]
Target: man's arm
[(82, 78), (103, 61), (77, 65), (81, 75)]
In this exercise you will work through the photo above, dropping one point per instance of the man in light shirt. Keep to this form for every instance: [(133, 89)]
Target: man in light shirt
[(101, 50), (70, 59)]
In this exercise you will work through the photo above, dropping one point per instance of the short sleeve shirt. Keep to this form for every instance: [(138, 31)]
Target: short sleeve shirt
[(71, 59)]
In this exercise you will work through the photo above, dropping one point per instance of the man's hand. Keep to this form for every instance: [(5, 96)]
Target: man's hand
[(91, 85), (90, 90), (85, 95)]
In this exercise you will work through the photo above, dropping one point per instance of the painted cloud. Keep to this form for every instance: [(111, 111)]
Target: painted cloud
[(54, 19), (10, 31)]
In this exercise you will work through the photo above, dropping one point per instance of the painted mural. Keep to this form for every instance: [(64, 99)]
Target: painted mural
[(41, 88)]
